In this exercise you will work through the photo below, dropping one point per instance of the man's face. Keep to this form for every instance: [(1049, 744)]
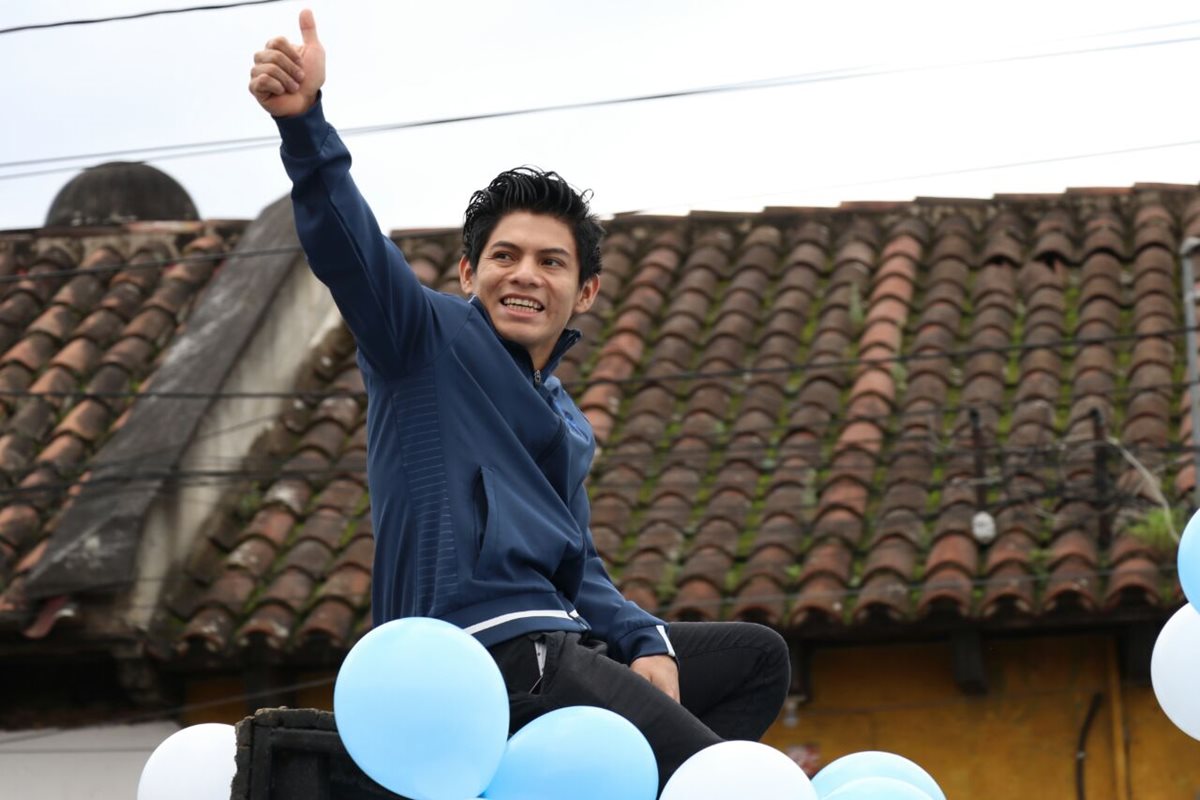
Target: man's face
[(528, 280)]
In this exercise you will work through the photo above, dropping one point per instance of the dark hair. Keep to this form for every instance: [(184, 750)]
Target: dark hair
[(539, 192)]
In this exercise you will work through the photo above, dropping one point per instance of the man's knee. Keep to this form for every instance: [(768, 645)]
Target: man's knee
[(775, 659), (765, 639)]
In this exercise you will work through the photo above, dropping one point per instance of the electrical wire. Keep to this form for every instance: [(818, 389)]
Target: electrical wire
[(729, 434), (813, 76), (139, 15), (161, 714), (149, 264), (727, 441), (823, 364), (1074, 691), (221, 146), (221, 478), (898, 358), (1034, 162), (152, 716), (150, 473), (808, 534)]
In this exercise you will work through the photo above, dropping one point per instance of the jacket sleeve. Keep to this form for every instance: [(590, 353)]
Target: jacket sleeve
[(629, 632), (384, 305)]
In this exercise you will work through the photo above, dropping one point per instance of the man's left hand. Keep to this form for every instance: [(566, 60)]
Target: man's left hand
[(662, 671)]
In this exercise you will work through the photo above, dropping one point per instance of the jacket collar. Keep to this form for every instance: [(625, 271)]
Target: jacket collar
[(566, 340)]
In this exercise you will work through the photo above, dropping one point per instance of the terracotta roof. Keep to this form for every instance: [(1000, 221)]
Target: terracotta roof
[(85, 314), (800, 414)]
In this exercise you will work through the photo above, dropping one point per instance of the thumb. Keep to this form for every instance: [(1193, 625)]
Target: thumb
[(308, 27)]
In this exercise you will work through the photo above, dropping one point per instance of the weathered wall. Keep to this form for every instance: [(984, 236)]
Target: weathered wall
[(1017, 741)]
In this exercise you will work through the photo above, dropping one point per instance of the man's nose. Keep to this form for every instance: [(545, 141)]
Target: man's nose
[(527, 271)]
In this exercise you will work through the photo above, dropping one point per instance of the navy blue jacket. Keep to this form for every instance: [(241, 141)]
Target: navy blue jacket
[(475, 460)]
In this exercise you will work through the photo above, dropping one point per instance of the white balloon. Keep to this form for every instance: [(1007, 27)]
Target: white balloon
[(196, 763), (739, 769), (1175, 667)]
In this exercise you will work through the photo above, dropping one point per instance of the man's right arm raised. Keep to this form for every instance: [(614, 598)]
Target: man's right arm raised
[(377, 293)]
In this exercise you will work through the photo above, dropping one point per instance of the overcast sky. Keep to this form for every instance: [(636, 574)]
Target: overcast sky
[(927, 96)]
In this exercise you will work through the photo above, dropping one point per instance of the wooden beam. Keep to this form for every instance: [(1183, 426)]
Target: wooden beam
[(1136, 645), (801, 658), (969, 671)]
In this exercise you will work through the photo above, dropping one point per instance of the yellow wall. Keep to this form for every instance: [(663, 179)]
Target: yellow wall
[(214, 700), (221, 699), (1017, 741)]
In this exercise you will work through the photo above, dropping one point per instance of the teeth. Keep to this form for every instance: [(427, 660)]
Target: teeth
[(519, 303)]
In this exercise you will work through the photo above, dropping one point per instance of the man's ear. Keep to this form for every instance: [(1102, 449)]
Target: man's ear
[(466, 276), (587, 294)]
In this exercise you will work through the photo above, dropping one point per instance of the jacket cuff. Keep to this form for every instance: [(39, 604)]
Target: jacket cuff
[(304, 134), (649, 641)]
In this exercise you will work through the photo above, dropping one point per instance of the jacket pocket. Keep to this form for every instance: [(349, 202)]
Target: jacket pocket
[(485, 509), (521, 539)]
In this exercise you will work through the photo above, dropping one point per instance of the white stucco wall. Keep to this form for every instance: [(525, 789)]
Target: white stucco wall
[(100, 763), (300, 316)]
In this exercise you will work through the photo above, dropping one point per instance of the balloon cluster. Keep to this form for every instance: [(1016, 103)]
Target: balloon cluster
[(750, 769), (1176, 659), (422, 709)]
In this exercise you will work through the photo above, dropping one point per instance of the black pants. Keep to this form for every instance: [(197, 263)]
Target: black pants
[(733, 679)]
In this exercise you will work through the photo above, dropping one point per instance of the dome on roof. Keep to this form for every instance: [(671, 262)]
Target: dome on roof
[(120, 191)]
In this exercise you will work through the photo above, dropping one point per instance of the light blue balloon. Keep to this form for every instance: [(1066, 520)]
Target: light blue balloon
[(1189, 560), (877, 789), (422, 709), (582, 752), (874, 764)]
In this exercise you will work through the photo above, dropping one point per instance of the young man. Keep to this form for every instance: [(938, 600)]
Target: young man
[(477, 457)]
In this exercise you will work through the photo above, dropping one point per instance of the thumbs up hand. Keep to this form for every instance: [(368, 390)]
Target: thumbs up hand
[(285, 78)]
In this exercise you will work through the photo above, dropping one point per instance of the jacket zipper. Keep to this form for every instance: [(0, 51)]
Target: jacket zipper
[(537, 377)]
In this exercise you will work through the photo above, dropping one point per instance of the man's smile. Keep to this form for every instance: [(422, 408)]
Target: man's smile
[(521, 305)]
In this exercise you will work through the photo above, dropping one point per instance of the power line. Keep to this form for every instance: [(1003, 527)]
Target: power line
[(165, 157), (664, 378), (1074, 690), (939, 174), (725, 439), (149, 264), (986, 582), (1035, 460), (139, 15), (880, 361), (218, 476), (152, 716), (729, 433), (220, 146), (135, 481), (809, 533), (808, 530), (273, 469)]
